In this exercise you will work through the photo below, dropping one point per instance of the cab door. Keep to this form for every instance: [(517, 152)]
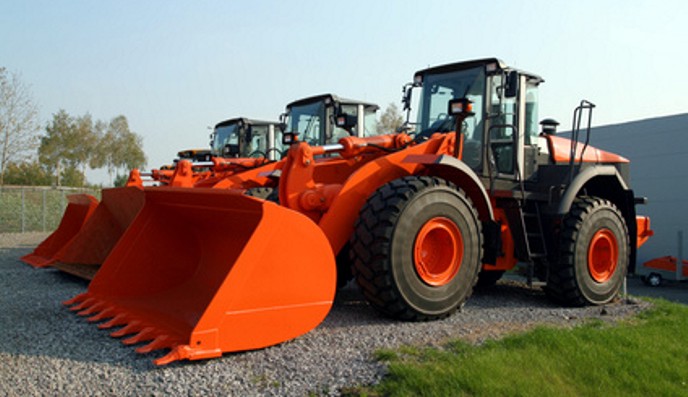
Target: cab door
[(504, 123)]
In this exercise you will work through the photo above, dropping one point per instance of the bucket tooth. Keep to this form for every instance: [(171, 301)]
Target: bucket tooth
[(118, 320), (83, 305), (95, 308), (131, 328), (160, 342), (77, 299), (106, 313), (176, 354), (144, 335)]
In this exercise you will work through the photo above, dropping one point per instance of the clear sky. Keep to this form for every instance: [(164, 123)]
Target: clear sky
[(173, 68)]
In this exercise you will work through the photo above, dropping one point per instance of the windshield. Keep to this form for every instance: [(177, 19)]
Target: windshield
[(223, 136), (437, 90), (308, 120), (257, 145), (370, 122)]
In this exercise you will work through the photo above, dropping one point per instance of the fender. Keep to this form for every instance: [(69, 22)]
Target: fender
[(583, 177), (456, 171)]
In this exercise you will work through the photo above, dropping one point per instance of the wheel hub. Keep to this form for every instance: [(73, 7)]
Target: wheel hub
[(603, 255), (438, 251)]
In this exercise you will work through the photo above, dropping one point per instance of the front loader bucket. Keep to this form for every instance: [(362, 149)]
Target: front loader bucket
[(79, 209), (206, 271), (84, 254)]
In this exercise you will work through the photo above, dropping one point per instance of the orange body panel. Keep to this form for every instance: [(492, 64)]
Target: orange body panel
[(644, 231), (667, 263), (78, 211), (560, 150), (206, 271)]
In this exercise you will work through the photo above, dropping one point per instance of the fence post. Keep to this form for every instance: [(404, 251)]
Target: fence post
[(23, 210)]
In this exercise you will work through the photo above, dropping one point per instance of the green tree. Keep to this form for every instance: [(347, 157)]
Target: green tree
[(27, 174), (72, 176), (390, 120), (68, 145), (120, 180), (86, 140), (18, 121), (119, 149)]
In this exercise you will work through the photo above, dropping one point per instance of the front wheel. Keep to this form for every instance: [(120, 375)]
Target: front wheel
[(593, 254), (416, 248)]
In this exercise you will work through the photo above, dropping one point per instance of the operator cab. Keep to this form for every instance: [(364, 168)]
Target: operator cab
[(505, 102), (324, 119), (242, 137)]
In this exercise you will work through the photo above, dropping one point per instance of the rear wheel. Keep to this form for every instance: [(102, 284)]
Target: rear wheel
[(416, 248), (593, 254)]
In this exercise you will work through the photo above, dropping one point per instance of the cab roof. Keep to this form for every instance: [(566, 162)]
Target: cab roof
[(333, 99), (245, 121), (457, 66)]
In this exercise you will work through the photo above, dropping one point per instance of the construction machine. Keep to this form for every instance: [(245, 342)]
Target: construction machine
[(243, 156), (477, 189), (247, 142), (324, 119)]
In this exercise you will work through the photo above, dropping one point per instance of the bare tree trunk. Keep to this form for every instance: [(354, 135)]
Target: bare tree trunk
[(57, 176), (18, 121)]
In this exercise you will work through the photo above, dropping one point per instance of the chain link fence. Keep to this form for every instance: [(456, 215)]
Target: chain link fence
[(35, 209)]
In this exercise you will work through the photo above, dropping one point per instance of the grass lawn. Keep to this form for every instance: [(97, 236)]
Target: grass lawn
[(644, 356)]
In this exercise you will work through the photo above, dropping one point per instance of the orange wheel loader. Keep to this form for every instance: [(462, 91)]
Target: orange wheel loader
[(418, 219)]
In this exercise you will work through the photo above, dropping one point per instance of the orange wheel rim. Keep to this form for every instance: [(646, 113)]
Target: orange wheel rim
[(438, 251), (603, 255)]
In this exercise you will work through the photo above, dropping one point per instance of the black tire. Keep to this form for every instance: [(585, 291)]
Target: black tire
[(654, 280), (265, 193), (580, 278), (394, 225), (344, 271), (488, 278)]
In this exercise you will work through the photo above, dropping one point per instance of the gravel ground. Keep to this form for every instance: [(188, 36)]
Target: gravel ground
[(47, 350)]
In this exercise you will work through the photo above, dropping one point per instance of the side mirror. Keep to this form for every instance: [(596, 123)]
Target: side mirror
[(346, 122), (290, 138), (406, 95), (512, 84), (460, 107)]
